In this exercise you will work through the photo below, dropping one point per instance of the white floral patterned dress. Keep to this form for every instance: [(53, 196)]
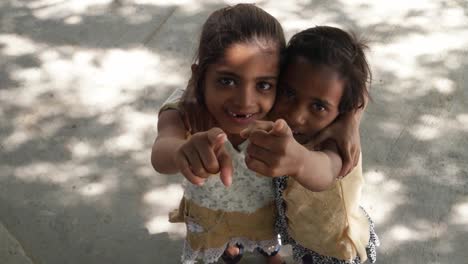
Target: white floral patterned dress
[(217, 216)]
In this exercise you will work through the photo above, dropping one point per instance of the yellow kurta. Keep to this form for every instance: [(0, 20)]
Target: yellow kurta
[(331, 222)]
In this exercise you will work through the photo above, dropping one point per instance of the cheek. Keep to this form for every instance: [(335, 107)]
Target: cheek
[(333, 116), (211, 100), (319, 125), (271, 102), (278, 108), (214, 93), (207, 98), (207, 91), (323, 122), (266, 102), (281, 102)]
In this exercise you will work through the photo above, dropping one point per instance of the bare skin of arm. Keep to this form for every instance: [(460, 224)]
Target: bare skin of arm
[(274, 152), (171, 136), (196, 157)]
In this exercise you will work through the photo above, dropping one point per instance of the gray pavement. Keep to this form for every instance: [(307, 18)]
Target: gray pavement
[(81, 82), (10, 250)]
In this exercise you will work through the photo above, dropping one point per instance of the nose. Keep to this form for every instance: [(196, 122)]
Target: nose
[(246, 96), (297, 115)]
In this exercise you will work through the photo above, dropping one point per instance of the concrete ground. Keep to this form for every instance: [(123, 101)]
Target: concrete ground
[(81, 82)]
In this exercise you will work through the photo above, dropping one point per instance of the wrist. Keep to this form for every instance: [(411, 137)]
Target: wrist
[(300, 164), (357, 115), (351, 117), (177, 146)]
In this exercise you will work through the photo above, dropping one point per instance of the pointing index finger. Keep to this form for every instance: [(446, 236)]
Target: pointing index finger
[(280, 128)]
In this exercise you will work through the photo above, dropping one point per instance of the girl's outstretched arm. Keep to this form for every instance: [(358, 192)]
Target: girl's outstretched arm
[(273, 151), (171, 136), (320, 167)]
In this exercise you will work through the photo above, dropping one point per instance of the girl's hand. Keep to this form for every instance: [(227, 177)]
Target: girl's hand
[(345, 132), (203, 155), (273, 151)]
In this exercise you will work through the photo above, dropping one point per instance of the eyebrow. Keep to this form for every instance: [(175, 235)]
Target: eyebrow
[(224, 72), (315, 99), (325, 102)]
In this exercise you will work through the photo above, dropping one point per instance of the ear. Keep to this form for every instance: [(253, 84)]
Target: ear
[(194, 69)]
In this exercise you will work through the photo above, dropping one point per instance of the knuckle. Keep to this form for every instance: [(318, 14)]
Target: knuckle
[(195, 136), (198, 171), (212, 167), (256, 136), (214, 130), (251, 151), (179, 156), (192, 179), (272, 171), (222, 155), (253, 137), (182, 149), (274, 162)]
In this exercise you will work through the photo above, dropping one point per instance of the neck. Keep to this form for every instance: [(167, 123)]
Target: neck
[(235, 140)]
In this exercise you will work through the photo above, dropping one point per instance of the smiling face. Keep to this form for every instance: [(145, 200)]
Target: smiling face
[(310, 98), (241, 87)]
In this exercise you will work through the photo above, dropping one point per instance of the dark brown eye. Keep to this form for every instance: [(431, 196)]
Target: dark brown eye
[(265, 86), (318, 107), (226, 81)]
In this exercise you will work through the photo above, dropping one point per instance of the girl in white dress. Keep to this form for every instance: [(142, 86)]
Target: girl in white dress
[(233, 84)]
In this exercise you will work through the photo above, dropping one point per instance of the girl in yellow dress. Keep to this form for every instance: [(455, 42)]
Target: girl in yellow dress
[(325, 76)]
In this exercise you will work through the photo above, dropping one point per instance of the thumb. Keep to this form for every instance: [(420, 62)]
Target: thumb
[(216, 136), (225, 167), (280, 128)]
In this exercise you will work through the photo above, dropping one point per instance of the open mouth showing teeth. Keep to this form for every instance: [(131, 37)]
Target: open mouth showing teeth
[(243, 116)]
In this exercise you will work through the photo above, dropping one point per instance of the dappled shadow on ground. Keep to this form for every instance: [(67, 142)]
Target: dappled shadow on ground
[(79, 93)]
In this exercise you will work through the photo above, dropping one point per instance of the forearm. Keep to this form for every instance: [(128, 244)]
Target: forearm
[(319, 170), (163, 154), (171, 136)]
